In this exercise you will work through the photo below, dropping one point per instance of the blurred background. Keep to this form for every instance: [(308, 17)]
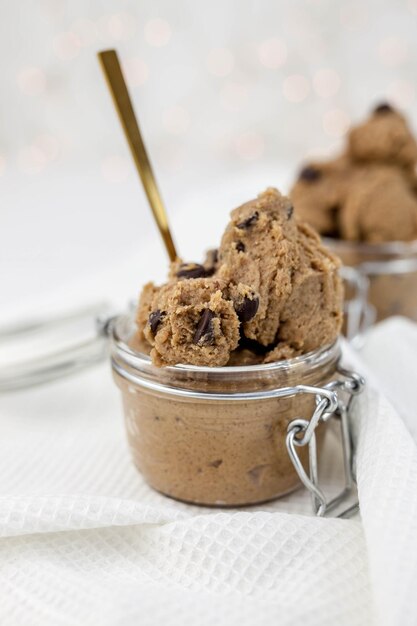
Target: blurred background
[(231, 97)]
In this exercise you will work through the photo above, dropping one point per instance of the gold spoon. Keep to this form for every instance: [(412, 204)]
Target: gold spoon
[(116, 83)]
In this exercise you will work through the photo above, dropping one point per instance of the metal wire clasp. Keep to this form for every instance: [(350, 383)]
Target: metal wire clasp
[(332, 401)]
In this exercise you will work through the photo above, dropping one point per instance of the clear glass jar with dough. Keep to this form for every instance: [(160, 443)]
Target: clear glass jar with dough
[(217, 436)]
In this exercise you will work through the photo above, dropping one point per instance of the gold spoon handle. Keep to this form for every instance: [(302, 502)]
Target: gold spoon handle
[(113, 72)]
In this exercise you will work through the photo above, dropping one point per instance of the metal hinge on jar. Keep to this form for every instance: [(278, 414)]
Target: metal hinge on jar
[(301, 432)]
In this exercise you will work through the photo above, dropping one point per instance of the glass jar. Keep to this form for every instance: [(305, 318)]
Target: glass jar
[(391, 273), (217, 436)]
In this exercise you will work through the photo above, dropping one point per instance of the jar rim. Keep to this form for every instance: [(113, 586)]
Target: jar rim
[(140, 358), (395, 247), (391, 257)]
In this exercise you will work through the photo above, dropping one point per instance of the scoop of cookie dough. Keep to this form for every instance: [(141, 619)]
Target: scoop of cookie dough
[(384, 137), (369, 194), (380, 207), (271, 292), (259, 248), (300, 294), (194, 321)]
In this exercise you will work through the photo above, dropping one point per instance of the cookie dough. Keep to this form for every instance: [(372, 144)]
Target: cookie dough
[(286, 264), (380, 207), (384, 137), (190, 321), (369, 194), (312, 315), (260, 247), (270, 292)]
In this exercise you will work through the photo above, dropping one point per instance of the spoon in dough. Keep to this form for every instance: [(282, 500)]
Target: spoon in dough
[(116, 83)]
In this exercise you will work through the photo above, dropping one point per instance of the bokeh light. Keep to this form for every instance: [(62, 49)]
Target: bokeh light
[(31, 80), (336, 122), (118, 26), (272, 53), (34, 157), (326, 83), (157, 32), (176, 120), (249, 146), (220, 62), (296, 88), (67, 46), (295, 64)]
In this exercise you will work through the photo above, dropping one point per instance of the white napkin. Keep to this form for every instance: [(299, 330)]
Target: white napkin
[(85, 541)]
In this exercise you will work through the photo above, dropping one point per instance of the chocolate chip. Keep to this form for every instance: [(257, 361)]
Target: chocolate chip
[(155, 319), (247, 309), (290, 211), (205, 332), (216, 463), (253, 346), (384, 107), (249, 221), (240, 247), (194, 270), (310, 174), (331, 233)]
